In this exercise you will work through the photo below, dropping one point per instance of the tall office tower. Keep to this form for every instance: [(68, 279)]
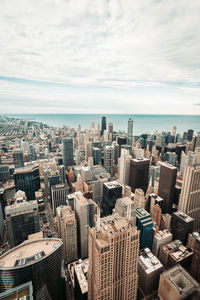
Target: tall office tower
[(125, 207), (149, 270), (190, 134), (116, 152), (174, 131), (130, 131), (98, 130), (188, 159), (62, 172), (110, 128), (177, 284), (39, 261), (124, 167), (92, 126), (79, 184), (59, 194), (161, 238), (181, 226), (68, 152), (103, 125), (31, 153), (139, 199), (4, 173), (67, 231), (105, 136), (195, 267), (166, 222), (139, 171), (138, 153), (111, 192), (108, 159), (27, 179), (167, 185), (156, 215), (18, 157), (197, 152), (155, 199), (84, 211), (189, 201), (22, 219), (86, 174), (145, 225), (90, 161), (171, 158), (88, 150), (96, 154), (113, 259)]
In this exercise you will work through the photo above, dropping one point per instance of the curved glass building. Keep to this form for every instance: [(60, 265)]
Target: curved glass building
[(39, 261)]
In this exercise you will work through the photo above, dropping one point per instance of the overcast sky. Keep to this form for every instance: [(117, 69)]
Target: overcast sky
[(100, 56)]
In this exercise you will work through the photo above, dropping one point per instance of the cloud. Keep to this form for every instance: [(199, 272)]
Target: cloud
[(100, 47)]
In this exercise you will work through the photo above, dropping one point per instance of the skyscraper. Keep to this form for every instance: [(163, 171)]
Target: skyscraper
[(59, 194), (181, 226), (18, 157), (22, 219), (67, 231), (124, 166), (108, 159), (96, 154), (27, 179), (111, 192), (145, 225), (39, 261), (149, 270), (84, 211), (189, 201), (177, 284), (130, 131), (103, 125), (139, 171), (113, 259), (68, 155), (167, 186)]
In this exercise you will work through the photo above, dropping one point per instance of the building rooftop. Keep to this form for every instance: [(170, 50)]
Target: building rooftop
[(28, 253), (149, 261), (183, 216), (111, 225), (21, 207), (162, 234), (141, 159), (81, 272), (112, 184), (26, 169), (125, 201), (181, 280), (59, 186)]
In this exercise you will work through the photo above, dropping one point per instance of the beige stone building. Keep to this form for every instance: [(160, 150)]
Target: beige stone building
[(113, 259)]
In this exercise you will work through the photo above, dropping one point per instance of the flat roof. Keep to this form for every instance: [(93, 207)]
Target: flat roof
[(112, 184), (28, 249)]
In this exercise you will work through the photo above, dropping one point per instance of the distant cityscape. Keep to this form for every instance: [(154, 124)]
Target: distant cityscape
[(98, 213)]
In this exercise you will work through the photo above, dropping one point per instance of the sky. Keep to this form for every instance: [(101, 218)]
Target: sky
[(100, 56)]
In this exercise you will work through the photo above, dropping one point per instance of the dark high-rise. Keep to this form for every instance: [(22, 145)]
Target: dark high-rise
[(27, 179), (103, 125), (68, 152), (182, 225), (167, 186), (139, 172), (111, 192), (22, 219), (39, 261), (18, 157)]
